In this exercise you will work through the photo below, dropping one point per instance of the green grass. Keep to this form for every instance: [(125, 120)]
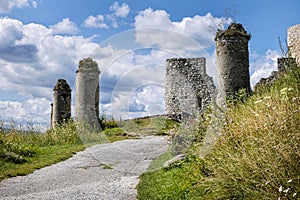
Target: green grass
[(158, 162), (21, 152), (148, 126), (44, 156), (175, 182), (256, 157)]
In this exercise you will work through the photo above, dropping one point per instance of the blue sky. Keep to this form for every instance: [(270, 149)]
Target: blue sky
[(43, 40)]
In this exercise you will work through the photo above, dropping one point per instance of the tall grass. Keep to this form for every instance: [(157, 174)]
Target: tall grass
[(256, 157), (258, 154), (23, 151)]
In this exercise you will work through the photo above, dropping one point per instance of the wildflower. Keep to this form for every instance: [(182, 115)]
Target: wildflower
[(267, 97), (267, 182), (286, 191), (280, 189), (289, 181), (295, 194), (259, 101), (283, 91)]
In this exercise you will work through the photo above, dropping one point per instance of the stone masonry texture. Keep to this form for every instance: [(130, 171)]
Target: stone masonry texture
[(87, 94), (61, 106), (188, 88), (232, 59), (294, 42)]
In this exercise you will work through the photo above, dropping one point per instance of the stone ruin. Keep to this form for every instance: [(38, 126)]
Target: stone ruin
[(188, 89), (294, 42), (232, 59), (61, 106), (284, 63), (87, 94)]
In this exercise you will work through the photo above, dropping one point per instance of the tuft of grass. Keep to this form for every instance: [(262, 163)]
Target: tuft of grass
[(256, 157)]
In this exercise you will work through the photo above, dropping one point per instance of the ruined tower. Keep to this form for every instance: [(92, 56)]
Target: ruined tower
[(188, 89), (294, 42), (87, 94), (61, 106), (232, 59)]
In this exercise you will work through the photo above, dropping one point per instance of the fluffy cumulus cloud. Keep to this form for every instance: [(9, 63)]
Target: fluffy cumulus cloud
[(7, 5), (262, 66), (11, 30), (202, 29), (65, 27), (113, 19), (132, 85), (120, 10), (95, 22), (32, 110), (32, 58)]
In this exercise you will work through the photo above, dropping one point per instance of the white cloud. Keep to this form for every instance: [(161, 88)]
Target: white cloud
[(32, 110), (202, 29), (11, 30), (95, 22), (34, 4), (7, 5), (262, 66), (65, 27), (151, 18), (51, 57), (120, 10), (138, 89), (102, 21)]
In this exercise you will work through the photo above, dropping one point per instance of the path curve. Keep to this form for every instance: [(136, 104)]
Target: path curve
[(106, 171)]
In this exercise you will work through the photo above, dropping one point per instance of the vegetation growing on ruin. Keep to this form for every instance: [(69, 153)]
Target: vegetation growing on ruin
[(233, 30), (256, 157)]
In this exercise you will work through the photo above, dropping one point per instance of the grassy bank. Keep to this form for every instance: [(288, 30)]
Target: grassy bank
[(21, 152), (256, 157)]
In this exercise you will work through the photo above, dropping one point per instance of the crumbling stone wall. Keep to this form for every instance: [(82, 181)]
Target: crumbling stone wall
[(232, 59), (61, 106), (87, 94), (282, 65), (294, 42), (188, 89)]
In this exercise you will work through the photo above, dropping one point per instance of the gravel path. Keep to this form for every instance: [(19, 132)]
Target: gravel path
[(106, 171)]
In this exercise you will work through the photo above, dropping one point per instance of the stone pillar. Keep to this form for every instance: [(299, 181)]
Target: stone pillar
[(87, 94), (232, 59), (294, 42), (61, 106), (188, 89)]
